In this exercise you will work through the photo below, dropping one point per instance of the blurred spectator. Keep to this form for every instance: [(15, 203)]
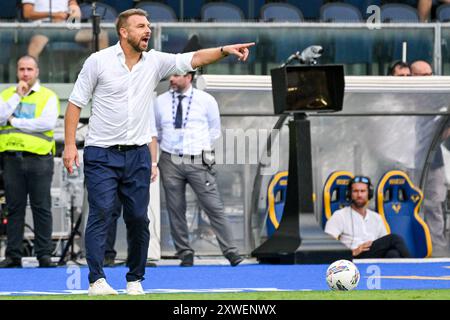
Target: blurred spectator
[(421, 68), (56, 11), (399, 69), (435, 188)]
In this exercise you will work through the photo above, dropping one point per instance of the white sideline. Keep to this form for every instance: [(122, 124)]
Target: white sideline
[(401, 260)]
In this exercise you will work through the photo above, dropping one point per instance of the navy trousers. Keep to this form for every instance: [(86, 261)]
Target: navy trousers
[(108, 173)]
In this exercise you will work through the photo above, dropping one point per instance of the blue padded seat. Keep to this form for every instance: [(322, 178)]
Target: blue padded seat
[(276, 196), (443, 13), (399, 13), (158, 12), (106, 12), (280, 12), (221, 12), (398, 202)]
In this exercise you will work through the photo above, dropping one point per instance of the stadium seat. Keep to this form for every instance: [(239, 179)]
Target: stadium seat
[(185, 10), (392, 44), (398, 202), (245, 7), (362, 5), (9, 10), (443, 13), (158, 12), (221, 12), (276, 196), (106, 12), (120, 5), (351, 49), (399, 13), (334, 195), (340, 12), (309, 8), (280, 12)]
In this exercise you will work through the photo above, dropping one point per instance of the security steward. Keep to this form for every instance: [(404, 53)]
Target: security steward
[(28, 114)]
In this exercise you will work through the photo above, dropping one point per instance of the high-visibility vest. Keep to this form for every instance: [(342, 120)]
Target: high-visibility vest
[(13, 139)]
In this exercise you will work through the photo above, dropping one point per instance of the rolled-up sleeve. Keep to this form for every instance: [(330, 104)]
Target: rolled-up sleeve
[(334, 226), (180, 63), (86, 82)]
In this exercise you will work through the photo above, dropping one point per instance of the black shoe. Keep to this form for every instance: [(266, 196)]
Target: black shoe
[(234, 258), (46, 262), (11, 263), (109, 262), (187, 260)]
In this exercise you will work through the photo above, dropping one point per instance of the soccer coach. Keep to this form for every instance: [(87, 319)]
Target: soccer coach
[(121, 80)]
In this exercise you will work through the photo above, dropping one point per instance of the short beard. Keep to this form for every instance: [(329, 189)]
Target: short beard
[(358, 205), (135, 45)]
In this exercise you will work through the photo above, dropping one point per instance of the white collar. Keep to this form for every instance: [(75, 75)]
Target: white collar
[(119, 51)]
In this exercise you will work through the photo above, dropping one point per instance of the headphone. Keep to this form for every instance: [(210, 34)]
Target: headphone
[(359, 179)]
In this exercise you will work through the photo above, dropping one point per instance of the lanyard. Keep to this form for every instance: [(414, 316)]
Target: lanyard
[(174, 106)]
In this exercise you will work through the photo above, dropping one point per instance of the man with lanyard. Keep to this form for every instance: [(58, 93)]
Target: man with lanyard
[(188, 123), (121, 80), (28, 114)]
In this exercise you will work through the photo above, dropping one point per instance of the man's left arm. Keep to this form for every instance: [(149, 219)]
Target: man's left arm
[(45, 122), (204, 57)]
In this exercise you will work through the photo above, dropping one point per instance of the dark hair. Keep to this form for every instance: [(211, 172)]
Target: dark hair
[(123, 17), (394, 65)]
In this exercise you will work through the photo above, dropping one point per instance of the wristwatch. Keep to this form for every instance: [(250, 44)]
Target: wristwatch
[(223, 53)]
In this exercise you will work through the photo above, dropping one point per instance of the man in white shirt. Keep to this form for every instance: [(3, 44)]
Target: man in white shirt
[(188, 124), (28, 115), (56, 11), (121, 80), (362, 230)]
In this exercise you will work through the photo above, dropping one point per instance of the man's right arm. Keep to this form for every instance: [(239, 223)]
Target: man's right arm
[(71, 120), (334, 226), (7, 108)]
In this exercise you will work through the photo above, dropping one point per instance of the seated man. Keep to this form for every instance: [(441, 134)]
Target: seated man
[(362, 230), (399, 69), (56, 11)]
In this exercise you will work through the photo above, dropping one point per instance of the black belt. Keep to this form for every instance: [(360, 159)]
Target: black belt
[(21, 154), (124, 147)]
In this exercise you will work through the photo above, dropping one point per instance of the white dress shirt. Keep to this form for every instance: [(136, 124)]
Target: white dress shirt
[(122, 100), (44, 6), (24, 115), (352, 229), (200, 127)]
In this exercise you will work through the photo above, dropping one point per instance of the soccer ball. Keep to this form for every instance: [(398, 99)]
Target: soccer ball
[(342, 275)]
